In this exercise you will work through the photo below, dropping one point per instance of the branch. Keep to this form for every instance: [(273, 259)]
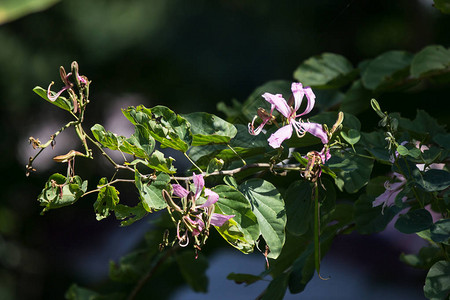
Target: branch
[(290, 167)]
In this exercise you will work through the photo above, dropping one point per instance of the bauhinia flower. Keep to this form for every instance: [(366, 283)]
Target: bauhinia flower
[(290, 114), (391, 192), (198, 218)]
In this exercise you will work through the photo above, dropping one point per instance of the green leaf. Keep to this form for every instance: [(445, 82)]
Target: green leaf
[(214, 165), (414, 221), (242, 230), (61, 102), (12, 9), (435, 180), (128, 215), (356, 98), (430, 60), (158, 162), (442, 5), (151, 192), (327, 70), (60, 191), (440, 231), (140, 144), (299, 207), (386, 69), (243, 278), (302, 271), (425, 259), (106, 138), (76, 292), (352, 136), (268, 206), (209, 129), (371, 219), (437, 282), (168, 128), (277, 288), (193, 270), (375, 143), (352, 171), (230, 181), (107, 199)]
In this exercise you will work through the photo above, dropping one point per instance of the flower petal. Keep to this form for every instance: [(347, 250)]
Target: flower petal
[(251, 128), (213, 197), (179, 191), (280, 135), (219, 220), (55, 96), (279, 103), (311, 100), (298, 92), (199, 183), (316, 129)]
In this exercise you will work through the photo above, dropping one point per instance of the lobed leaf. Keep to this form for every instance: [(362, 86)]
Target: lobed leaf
[(269, 209)]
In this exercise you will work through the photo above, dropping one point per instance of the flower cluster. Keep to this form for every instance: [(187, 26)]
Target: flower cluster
[(196, 219), (81, 81), (289, 111)]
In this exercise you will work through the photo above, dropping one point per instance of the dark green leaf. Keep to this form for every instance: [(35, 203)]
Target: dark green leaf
[(299, 207), (430, 60), (352, 171), (437, 283), (230, 181), (193, 270), (277, 288), (61, 102), (76, 292), (414, 221), (371, 219), (442, 5), (268, 206), (386, 69), (209, 129), (243, 278), (302, 271), (242, 230), (107, 199), (356, 99), (60, 191), (440, 231), (425, 259), (435, 180), (327, 70)]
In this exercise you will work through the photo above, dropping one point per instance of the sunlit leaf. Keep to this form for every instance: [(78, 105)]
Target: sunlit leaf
[(107, 199), (60, 191), (209, 129), (150, 192), (269, 208), (61, 102), (14, 9)]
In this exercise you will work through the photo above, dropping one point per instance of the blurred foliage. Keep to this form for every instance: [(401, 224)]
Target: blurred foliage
[(175, 53)]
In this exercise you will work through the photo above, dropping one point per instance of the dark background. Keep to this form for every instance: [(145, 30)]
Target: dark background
[(187, 55)]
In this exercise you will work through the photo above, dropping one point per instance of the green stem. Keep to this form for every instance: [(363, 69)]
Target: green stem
[(234, 151), (192, 162), (316, 228)]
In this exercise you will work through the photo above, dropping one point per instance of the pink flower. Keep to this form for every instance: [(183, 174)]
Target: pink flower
[(208, 206), (392, 190), (290, 113)]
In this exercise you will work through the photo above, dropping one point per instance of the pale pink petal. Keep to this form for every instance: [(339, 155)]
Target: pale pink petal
[(56, 95), (213, 197), (279, 136), (311, 100), (251, 128), (298, 92), (179, 191), (316, 129), (325, 155), (199, 183), (198, 223), (279, 103), (219, 220), (388, 197)]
